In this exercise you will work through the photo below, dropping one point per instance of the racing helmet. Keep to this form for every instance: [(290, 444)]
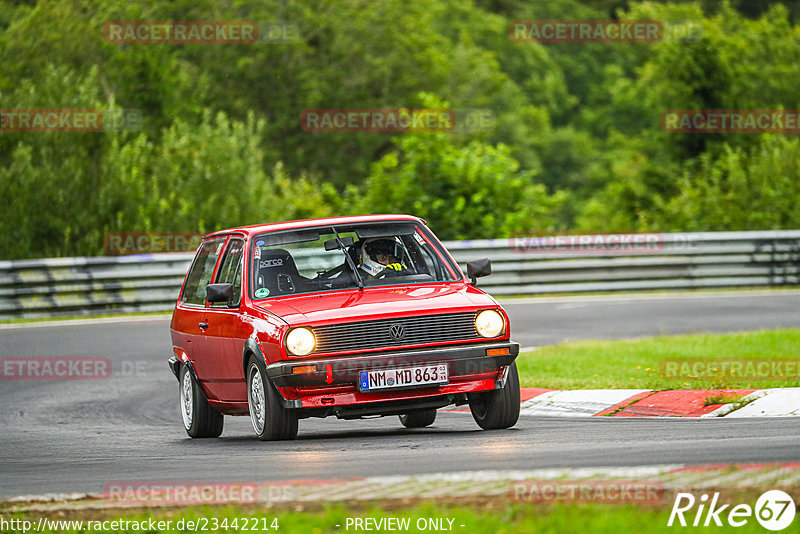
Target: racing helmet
[(371, 249)]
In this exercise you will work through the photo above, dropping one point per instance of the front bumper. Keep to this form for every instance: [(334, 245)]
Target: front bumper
[(463, 361), (332, 389)]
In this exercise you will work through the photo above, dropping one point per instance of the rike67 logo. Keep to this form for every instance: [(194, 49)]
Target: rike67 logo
[(774, 510)]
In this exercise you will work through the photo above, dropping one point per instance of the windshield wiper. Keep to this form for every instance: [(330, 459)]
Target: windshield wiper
[(350, 261)]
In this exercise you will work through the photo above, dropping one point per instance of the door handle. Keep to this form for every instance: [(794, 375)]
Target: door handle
[(202, 325)]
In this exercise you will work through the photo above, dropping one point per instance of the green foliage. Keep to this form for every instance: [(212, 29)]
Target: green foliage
[(577, 141), (467, 191), (475, 191), (196, 179), (742, 189), (734, 63)]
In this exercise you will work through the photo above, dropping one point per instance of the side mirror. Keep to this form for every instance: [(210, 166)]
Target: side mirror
[(219, 293), (478, 268)]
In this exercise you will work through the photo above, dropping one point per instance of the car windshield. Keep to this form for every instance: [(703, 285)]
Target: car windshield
[(346, 256)]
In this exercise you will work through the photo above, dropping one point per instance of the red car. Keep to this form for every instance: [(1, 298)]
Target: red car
[(348, 316)]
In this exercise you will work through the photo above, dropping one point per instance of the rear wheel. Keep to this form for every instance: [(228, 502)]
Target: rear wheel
[(419, 418), (498, 408), (199, 419), (270, 419)]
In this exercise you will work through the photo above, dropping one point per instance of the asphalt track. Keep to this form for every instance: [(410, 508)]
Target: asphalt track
[(78, 436)]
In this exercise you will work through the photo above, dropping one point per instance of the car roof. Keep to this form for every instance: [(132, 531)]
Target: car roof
[(306, 223)]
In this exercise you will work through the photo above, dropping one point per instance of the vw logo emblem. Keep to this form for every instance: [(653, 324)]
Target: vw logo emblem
[(397, 331)]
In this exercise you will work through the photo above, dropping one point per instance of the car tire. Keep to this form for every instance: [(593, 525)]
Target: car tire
[(199, 419), (271, 421), (418, 418), (498, 408)]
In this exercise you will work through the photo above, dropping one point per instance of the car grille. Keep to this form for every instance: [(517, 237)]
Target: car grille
[(379, 334)]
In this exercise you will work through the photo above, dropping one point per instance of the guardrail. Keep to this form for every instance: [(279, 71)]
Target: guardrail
[(521, 266)]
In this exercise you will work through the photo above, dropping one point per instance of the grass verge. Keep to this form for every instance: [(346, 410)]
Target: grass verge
[(505, 518), (642, 363)]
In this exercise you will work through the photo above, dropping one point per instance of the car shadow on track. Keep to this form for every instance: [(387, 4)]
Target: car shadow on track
[(373, 435)]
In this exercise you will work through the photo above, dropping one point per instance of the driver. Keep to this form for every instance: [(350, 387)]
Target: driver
[(378, 258)]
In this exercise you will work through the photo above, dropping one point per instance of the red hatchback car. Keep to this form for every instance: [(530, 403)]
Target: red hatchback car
[(349, 316)]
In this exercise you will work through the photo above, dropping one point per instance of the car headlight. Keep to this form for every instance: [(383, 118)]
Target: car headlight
[(300, 341), (489, 323)]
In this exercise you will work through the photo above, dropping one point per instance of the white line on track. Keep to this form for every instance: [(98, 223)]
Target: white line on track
[(650, 296), (504, 302), (86, 322)]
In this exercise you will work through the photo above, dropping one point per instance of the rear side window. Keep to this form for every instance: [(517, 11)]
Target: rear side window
[(194, 291)]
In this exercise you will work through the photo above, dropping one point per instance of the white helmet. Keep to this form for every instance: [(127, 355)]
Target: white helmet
[(384, 246)]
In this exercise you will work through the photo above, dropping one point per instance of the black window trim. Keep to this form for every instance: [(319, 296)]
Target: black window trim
[(204, 305), (437, 245), (218, 271)]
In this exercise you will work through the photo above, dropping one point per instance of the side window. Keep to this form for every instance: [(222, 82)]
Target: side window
[(230, 272), (194, 291)]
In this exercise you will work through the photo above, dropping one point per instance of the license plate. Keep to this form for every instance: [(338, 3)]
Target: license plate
[(403, 378)]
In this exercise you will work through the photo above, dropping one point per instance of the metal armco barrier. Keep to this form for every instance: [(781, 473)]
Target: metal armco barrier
[(521, 266)]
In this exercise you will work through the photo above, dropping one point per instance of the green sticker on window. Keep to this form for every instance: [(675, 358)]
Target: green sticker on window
[(262, 292)]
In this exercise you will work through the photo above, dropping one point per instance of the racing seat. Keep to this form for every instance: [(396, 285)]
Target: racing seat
[(278, 273), (341, 276)]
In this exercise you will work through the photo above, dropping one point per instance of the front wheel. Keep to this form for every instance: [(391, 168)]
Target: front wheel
[(498, 408), (270, 419), (419, 418), (199, 419)]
